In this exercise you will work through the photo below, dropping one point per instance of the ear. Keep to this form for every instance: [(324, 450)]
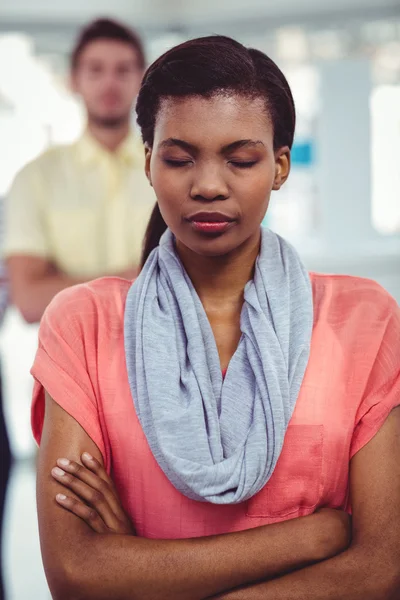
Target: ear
[(147, 158), (282, 167)]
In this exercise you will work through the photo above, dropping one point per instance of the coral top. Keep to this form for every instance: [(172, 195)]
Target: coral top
[(351, 384)]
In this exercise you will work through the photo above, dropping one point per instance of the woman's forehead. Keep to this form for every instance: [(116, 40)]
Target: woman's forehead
[(219, 116)]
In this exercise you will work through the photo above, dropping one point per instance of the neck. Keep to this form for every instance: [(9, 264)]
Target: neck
[(222, 278), (109, 137)]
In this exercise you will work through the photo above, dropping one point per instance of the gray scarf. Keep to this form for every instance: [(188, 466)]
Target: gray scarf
[(217, 439)]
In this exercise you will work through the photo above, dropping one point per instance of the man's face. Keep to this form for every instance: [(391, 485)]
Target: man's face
[(107, 77)]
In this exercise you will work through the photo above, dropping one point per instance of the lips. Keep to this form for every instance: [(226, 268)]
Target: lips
[(211, 223), (110, 99), (210, 217)]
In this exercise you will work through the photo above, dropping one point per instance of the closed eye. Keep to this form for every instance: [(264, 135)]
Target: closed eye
[(243, 164), (177, 163)]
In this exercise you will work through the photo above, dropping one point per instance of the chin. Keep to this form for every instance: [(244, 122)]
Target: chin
[(213, 246), (110, 120)]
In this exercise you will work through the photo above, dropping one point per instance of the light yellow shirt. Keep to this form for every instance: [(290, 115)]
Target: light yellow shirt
[(82, 207)]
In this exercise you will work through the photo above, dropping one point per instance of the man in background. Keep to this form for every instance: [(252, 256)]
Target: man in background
[(79, 212)]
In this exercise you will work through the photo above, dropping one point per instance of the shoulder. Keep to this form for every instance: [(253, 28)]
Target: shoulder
[(55, 158), (348, 299), (106, 295), (88, 310)]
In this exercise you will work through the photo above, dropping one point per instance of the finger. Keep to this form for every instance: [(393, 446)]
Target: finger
[(87, 514), (98, 480), (86, 492), (97, 468)]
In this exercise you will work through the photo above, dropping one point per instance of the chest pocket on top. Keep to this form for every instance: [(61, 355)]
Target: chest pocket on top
[(296, 485)]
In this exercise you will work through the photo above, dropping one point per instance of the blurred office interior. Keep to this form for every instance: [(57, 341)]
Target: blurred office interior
[(341, 207)]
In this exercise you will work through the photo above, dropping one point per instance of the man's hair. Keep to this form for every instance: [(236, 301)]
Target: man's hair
[(107, 29)]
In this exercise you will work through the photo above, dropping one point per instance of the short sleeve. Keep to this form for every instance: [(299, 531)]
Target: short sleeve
[(382, 393), (66, 365), (24, 227)]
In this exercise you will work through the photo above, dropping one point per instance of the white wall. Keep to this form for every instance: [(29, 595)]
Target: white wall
[(182, 12)]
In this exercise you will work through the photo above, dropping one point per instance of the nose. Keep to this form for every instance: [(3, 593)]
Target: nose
[(110, 80), (208, 184)]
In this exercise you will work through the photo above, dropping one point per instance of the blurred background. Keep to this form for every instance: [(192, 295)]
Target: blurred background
[(341, 206)]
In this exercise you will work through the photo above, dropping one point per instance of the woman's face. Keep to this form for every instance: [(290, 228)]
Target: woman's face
[(213, 167)]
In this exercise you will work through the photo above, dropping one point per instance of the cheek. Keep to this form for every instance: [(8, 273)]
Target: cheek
[(169, 183), (255, 191), (91, 91), (128, 89), (170, 189), (137, 81)]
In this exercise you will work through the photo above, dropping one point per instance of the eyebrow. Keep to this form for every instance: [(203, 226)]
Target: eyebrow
[(172, 142), (95, 60)]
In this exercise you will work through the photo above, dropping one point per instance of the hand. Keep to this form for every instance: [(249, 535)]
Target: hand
[(98, 504), (333, 531)]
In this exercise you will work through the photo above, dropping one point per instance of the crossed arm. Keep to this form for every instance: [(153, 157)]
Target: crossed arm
[(81, 563), (34, 281)]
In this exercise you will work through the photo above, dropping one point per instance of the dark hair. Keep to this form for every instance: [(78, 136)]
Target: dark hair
[(107, 29), (205, 67)]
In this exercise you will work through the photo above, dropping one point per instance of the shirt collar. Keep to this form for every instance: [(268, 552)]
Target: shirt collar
[(130, 151)]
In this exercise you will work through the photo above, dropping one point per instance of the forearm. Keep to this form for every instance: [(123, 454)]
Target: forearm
[(353, 575), (34, 281), (131, 568)]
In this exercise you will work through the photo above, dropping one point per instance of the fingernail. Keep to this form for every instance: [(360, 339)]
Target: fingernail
[(61, 497), (57, 471), (63, 461), (87, 456)]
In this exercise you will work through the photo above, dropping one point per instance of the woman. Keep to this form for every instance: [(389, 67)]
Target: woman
[(193, 424)]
